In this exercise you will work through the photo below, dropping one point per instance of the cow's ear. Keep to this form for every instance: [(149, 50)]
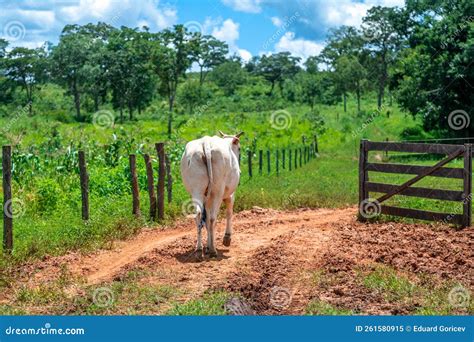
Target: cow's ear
[(221, 133), (235, 141)]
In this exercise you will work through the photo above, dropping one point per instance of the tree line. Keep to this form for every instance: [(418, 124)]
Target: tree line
[(421, 55)]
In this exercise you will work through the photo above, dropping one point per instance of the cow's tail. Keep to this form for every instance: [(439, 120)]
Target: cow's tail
[(208, 154)]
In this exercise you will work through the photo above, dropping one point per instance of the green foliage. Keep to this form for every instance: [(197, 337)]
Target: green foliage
[(210, 304)]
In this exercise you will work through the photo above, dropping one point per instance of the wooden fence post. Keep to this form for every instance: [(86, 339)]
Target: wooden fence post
[(7, 199), (268, 162), (301, 157), (316, 148), (84, 178), (363, 175), (260, 162), (169, 179), (151, 186), (467, 203), (296, 158), (134, 183), (283, 152), (160, 189), (289, 159), (277, 162), (249, 157)]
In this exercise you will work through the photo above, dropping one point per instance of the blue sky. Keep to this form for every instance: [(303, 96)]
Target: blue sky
[(250, 27)]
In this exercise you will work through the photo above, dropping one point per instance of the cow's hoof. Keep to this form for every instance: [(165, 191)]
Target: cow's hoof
[(198, 253), (213, 254), (227, 240)]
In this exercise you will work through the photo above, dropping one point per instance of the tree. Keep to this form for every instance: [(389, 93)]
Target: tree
[(68, 60), (5, 89), (209, 53), (171, 56), (26, 68), (311, 64), (434, 76), (341, 41), (228, 76), (349, 77), (278, 67), (128, 70), (311, 88), (381, 29)]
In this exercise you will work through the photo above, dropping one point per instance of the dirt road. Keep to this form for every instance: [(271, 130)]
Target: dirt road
[(275, 256)]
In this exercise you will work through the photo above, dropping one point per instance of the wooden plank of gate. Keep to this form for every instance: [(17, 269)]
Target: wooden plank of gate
[(448, 195), (446, 172), (412, 147), (422, 214), (428, 172)]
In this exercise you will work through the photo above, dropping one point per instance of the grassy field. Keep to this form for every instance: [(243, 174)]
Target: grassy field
[(46, 183), (46, 178)]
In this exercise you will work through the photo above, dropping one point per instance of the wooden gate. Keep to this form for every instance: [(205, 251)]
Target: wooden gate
[(369, 208)]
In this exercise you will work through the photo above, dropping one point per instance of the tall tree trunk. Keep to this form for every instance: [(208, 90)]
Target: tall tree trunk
[(345, 102), (382, 81), (77, 100), (201, 77), (170, 115)]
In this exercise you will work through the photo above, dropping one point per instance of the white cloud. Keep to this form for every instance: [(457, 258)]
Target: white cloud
[(228, 32), (298, 47), (276, 21), (45, 19), (245, 55), (247, 6)]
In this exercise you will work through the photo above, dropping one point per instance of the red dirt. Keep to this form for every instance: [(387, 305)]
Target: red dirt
[(273, 257)]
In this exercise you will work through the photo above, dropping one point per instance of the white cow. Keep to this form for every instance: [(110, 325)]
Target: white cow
[(211, 173)]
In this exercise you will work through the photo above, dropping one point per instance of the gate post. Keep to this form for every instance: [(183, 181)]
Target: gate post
[(467, 203), (363, 175)]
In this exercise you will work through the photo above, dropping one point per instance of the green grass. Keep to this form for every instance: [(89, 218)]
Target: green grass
[(426, 295), (210, 304), (321, 308)]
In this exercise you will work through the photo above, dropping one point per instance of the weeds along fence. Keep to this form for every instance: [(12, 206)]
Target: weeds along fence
[(159, 189)]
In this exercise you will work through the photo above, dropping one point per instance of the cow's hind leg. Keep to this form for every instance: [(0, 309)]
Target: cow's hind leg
[(229, 203), (212, 210), (200, 221)]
